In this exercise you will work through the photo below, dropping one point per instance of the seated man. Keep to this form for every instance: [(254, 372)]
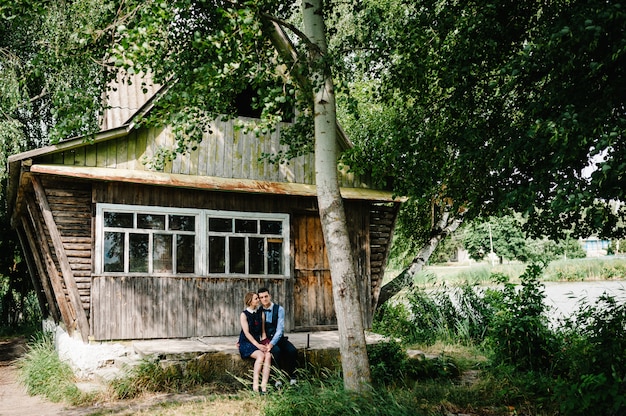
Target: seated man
[(284, 352)]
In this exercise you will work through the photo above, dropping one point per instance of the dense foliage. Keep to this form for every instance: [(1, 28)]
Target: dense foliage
[(576, 366), (483, 107), (506, 237), (593, 364)]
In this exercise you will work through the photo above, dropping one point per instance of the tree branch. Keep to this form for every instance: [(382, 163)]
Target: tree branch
[(295, 30), (446, 225)]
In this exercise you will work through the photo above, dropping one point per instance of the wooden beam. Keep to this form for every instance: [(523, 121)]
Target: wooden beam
[(22, 182), (66, 269), (37, 273), (206, 182), (38, 244)]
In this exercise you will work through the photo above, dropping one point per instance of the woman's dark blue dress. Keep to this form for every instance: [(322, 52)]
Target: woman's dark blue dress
[(246, 348)]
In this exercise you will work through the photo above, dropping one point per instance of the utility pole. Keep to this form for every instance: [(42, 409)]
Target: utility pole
[(491, 253)]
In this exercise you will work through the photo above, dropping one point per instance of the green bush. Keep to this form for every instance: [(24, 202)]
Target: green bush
[(388, 362), (519, 334), (394, 320), (475, 314), (593, 360), (19, 312), (459, 314)]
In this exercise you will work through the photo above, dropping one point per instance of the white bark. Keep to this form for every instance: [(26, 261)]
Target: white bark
[(354, 361)]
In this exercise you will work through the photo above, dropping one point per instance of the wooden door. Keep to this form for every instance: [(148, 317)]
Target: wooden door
[(313, 295)]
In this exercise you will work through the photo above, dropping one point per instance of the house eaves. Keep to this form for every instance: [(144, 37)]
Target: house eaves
[(204, 182)]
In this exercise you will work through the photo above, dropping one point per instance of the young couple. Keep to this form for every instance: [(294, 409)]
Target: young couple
[(262, 337)]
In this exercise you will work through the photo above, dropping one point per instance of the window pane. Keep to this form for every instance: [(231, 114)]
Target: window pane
[(222, 225), (217, 254), (257, 259), (274, 257), (237, 254), (151, 222), (162, 253), (185, 253), (182, 222), (246, 226), (271, 227), (138, 253), (118, 219), (113, 252)]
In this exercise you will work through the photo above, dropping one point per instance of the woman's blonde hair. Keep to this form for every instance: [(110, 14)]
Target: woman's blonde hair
[(247, 300)]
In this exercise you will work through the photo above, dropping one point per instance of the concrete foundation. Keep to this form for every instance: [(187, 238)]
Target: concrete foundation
[(214, 358)]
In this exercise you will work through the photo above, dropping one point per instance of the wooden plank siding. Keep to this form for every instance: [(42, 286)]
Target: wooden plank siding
[(41, 246), (70, 204), (38, 259), (133, 308), (225, 152), (130, 303), (61, 255), (313, 296), (163, 307), (58, 225)]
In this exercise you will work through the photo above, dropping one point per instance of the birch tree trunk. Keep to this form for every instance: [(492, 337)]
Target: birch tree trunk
[(354, 361)]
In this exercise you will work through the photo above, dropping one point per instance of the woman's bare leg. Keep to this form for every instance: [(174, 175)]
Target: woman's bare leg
[(258, 362), (267, 366)]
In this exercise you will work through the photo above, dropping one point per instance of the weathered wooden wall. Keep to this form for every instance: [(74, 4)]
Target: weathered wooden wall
[(70, 203), (313, 310), (57, 229), (168, 307), (226, 152), (151, 307), (381, 224), (77, 294)]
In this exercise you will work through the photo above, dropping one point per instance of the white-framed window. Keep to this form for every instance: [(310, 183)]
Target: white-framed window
[(245, 243), (140, 240)]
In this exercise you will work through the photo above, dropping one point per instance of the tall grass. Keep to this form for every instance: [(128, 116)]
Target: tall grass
[(322, 397), (494, 395), (46, 375), (602, 268), (576, 368)]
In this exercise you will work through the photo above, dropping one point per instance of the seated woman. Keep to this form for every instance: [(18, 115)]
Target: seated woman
[(252, 332)]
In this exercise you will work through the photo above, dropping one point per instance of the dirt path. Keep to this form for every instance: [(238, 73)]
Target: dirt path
[(14, 401)]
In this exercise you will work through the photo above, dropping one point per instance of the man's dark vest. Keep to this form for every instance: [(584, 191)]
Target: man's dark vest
[(270, 327)]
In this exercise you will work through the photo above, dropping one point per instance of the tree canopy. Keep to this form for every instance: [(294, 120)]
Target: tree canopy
[(497, 106)]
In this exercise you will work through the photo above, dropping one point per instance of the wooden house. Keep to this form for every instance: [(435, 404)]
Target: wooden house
[(119, 251)]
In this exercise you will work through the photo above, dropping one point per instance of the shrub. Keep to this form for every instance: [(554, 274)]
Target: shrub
[(459, 314), (593, 363), (475, 314), (388, 362), (519, 334), (393, 320)]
